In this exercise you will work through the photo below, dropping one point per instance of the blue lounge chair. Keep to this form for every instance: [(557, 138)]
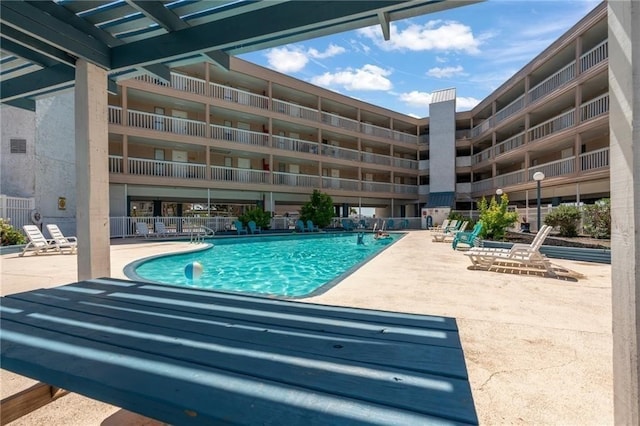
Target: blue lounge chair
[(347, 224), (467, 238), (300, 226), (240, 227), (311, 227), (253, 228), (390, 224)]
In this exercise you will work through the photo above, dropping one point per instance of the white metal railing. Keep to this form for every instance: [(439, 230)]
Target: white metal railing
[(238, 96), (482, 127), (482, 185), (560, 122), (483, 155), (423, 165), (594, 108), (372, 129), (399, 188), (507, 179), (512, 143), (463, 188), (371, 158), (555, 168), (115, 115), (295, 110), (125, 226), (164, 123), (404, 137), (297, 145), (551, 83), (173, 169), (295, 179), (148, 78), (337, 152), (233, 174), (115, 164), (246, 137), (406, 163), (594, 56), (369, 186), (186, 83), (340, 183), (509, 110), (594, 159), (17, 210), (464, 161), (338, 121)]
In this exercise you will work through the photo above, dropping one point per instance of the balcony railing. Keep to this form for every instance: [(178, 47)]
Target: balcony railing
[(405, 163), (295, 179), (553, 125), (371, 158), (594, 56), (173, 169), (230, 94), (163, 123), (342, 122), (482, 185), (115, 164), (562, 167), (186, 83), (341, 153), (509, 144), (551, 83), (296, 145), (294, 110), (594, 107), (404, 137), (399, 188), (482, 127), (483, 155), (236, 175), (369, 186), (595, 159), (509, 110), (371, 129), (508, 179), (340, 183), (245, 137), (115, 115)]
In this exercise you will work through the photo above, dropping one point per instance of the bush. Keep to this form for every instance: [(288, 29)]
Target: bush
[(495, 218), (566, 218), (259, 216), (318, 209), (10, 236), (462, 218), (597, 219)]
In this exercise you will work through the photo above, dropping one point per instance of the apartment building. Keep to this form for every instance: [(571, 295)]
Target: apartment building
[(228, 139)]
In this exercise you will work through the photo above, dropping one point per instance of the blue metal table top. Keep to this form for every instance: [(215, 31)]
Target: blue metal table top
[(186, 356)]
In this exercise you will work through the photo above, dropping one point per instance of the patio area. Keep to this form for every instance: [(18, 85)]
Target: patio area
[(537, 350)]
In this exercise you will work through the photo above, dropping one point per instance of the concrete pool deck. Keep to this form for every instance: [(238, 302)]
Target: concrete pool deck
[(538, 350)]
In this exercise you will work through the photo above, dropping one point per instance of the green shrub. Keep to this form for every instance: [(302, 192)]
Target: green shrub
[(10, 236), (566, 218), (462, 218), (259, 216), (597, 219), (495, 218), (319, 209)]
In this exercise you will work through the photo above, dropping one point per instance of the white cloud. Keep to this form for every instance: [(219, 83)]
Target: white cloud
[(416, 98), (332, 50), (445, 72), (369, 77), (465, 104), (287, 59), (435, 35), (441, 60)]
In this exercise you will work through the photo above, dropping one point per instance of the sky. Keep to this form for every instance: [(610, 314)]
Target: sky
[(473, 48)]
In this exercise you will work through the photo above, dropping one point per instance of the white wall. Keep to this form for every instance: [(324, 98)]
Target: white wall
[(16, 176), (442, 146)]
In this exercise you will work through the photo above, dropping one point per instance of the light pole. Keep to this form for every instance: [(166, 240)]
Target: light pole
[(538, 177), (498, 194)]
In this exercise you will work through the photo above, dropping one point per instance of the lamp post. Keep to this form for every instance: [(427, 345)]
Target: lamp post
[(538, 177), (499, 193)]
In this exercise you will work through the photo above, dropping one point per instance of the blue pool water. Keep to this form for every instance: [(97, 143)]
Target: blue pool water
[(289, 266)]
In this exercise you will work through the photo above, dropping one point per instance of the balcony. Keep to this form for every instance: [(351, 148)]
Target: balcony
[(244, 137), (405, 189), (339, 183), (508, 179), (340, 153), (294, 110), (509, 144), (229, 94), (483, 155), (463, 161), (371, 158), (594, 56), (554, 125), (594, 108), (162, 123), (369, 186), (295, 179), (405, 163), (566, 166), (297, 145), (553, 82), (148, 167), (594, 160), (509, 110)]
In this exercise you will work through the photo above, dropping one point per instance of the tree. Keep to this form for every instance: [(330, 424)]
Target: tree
[(259, 216), (319, 209), (597, 219), (495, 218), (566, 218)]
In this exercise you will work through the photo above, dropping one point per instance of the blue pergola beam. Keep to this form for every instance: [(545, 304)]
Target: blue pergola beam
[(157, 12), (33, 83)]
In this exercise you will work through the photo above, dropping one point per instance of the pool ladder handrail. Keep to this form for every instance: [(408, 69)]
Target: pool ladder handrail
[(197, 236)]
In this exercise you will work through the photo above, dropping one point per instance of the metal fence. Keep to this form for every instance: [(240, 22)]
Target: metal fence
[(18, 211)]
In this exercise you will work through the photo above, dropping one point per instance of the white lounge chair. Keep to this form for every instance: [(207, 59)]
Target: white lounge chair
[(448, 234), (161, 230), (143, 230), (440, 228), (37, 242), (60, 241), (518, 257)]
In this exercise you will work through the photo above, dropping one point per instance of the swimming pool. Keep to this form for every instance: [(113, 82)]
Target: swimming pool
[(287, 266)]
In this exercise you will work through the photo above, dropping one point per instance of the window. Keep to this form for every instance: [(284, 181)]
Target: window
[(18, 146)]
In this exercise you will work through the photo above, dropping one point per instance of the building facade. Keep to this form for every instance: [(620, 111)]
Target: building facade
[(223, 140)]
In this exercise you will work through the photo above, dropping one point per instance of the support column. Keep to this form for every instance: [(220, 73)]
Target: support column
[(92, 171), (624, 128)]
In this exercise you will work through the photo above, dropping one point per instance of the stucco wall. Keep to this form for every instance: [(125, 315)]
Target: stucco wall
[(16, 177), (442, 147)]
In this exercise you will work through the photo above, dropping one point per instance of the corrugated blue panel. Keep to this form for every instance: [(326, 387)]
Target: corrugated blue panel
[(441, 199)]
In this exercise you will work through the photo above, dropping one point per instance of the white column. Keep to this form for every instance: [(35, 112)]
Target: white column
[(624, 128), (92, 171)]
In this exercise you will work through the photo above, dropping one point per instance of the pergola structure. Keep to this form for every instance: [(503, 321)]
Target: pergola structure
[(49, 46)]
